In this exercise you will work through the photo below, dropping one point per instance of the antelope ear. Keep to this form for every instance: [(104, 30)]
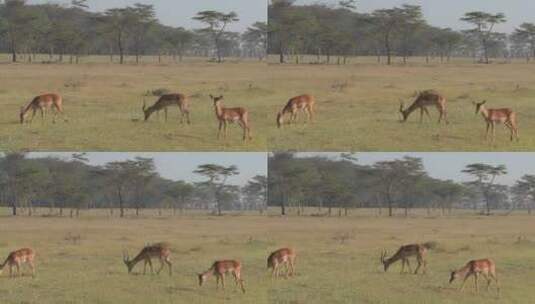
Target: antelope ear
[(484, 102), (211, 96), (221, 97)]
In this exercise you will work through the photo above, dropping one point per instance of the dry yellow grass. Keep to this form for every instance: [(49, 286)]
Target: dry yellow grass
[(338, 258)]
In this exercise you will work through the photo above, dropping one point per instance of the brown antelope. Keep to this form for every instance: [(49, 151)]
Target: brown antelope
[(17, 258), (167, 100), (403, 254), (284, 256), (158, 250), (230, 115), (304, 103), (485, 267), (43, 103), (494, 116), (219, 269), (423, 100)]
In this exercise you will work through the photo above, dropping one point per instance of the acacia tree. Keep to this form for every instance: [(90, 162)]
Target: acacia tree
[(217, 176), (526, 34), (217, 23), (17, 18), (180, 192), (116, 22), (396, 176), (484, 28), (256, 191), (387, 23), (142, 18), (256, 38), (485, 177), (525, 189), (180, 39)]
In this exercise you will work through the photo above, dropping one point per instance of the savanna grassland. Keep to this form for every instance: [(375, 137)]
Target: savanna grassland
[(103, 102), (357, 105), (338, 258)]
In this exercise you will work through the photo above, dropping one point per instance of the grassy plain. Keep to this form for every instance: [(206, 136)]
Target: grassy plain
[(103, 106), (357, 106), (338, 258)]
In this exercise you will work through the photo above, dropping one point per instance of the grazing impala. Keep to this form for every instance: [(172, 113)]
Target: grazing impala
[(493, 116), (403, 254), (429, 98), (17, 259), (304, 103), (230, 115), (167, 100), (158, 250), (284, 256), (485, 267), (43, 103), (219, 269)]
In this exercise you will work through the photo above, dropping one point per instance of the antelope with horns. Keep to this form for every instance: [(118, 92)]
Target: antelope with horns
[(17, 259), (494, 116), (158, 250), (403, 254), (167, 100), (423, 100), (43, 103), (231, 115), (278, 258), (485, 267), (219, 269), (304, 103)]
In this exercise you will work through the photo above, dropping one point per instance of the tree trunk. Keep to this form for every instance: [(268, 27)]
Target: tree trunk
[(121, 207)]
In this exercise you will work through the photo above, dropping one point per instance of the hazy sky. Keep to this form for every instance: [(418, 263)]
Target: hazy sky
[(179, 12), (446, 13), (449, 165), (179, 166)]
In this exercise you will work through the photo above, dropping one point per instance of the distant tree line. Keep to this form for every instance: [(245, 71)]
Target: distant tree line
[(31, 185), (341, 184), (327, 31), (73, 31)]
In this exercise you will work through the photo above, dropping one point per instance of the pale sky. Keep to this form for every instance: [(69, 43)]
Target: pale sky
[(179, 166), (446, 13), (448, 165), (179, 12)]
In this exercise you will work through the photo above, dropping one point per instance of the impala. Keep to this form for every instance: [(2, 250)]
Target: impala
[(403, 254), (17, 259), (231, 115), (429, 98), (158, 250), (43, 103), (494, 116), (304, 103), (219, 269), (485, 267), (167, 100), (284, 256)]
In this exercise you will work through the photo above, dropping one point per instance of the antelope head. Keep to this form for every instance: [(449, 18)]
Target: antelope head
[(145, 110), (127, 261), (479, 106), (280, 119), (404, 113), (22, 115), (202, 278), (384, 260), (216, 99), (453, 276)]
